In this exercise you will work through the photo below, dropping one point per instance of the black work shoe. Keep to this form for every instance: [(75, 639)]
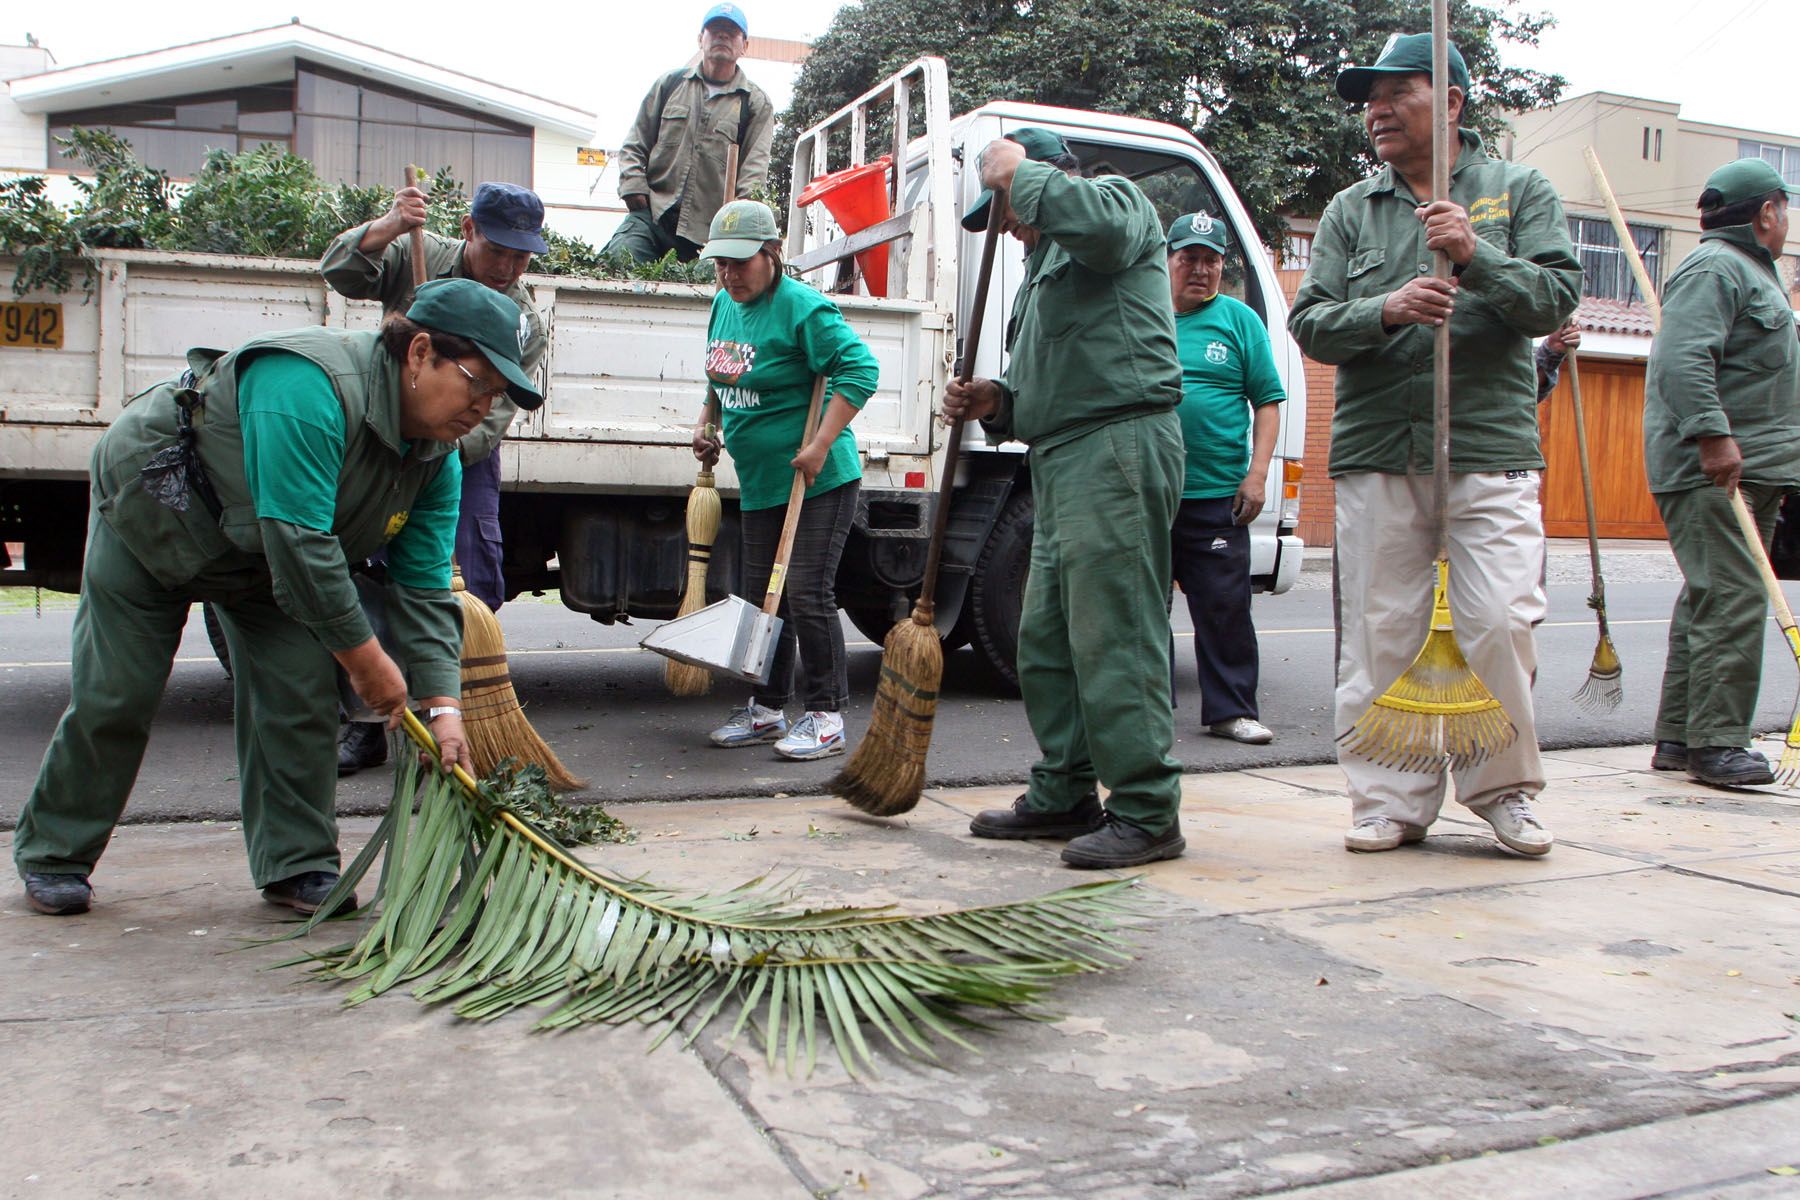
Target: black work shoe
[(1122, 844), (1021, 822), (58, 895), (306, 891), (1728, 766), (1669, 756), (361, 744)]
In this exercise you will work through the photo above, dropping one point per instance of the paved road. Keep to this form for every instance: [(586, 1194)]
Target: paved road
[(600, 701)]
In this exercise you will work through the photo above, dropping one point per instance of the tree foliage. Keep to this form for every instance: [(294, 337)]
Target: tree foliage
[(1252, 78)]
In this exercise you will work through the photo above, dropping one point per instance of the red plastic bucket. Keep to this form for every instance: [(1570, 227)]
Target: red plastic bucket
[(857, 198)]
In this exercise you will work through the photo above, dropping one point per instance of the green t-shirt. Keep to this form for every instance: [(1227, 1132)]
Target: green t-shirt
[(762, 358), (293, 425), (1227, 369)]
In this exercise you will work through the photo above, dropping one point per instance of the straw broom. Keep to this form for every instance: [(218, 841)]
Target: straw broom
[(1438, 714), (1787, 771), (1604, 688), (685, 679), (886, 774), (496, 725)]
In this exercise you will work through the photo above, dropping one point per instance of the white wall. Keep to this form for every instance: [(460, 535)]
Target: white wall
[(23, 140)]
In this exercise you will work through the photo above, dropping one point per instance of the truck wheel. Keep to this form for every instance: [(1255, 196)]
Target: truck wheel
[(997, 592), (215, 633)]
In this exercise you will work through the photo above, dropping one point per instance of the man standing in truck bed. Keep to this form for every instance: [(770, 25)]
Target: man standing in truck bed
[(1092, 385), (672, 166), (374, 262)]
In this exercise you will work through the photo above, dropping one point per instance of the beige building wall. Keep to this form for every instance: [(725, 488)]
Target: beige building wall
[(22, 134)]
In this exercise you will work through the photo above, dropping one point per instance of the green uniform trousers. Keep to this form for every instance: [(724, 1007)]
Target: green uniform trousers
[(1714, 669), (1094, 633), (126, 633)]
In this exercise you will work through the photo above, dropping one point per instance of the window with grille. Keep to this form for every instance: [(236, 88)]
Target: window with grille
[(1785, 159), (1605, 267)]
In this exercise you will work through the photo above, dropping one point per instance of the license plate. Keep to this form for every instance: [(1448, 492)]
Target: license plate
[(36, 326)]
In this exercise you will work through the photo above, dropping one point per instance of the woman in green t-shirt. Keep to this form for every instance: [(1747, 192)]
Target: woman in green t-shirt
[(769, 338)]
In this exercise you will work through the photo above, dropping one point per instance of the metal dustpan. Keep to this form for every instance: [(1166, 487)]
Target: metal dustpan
[(734, 637)]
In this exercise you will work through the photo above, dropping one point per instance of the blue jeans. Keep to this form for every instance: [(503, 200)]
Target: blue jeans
[(809, 610)]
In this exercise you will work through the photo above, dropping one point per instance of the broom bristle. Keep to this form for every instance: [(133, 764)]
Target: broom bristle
[(1605, 686), (1438, 714), (886, 774), (492, 717), (703, 512)]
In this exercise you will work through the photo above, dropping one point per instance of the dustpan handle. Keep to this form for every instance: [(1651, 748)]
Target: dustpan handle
[(796, 497), (1440, 268)]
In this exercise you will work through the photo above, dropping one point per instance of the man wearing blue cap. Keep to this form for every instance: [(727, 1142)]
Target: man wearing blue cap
[(1370, 305), (672, 166), (1722, 413), (374, 262), (1091, 384)]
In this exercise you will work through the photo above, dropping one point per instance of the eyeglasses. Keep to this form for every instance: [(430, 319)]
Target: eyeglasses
[(478, 391)]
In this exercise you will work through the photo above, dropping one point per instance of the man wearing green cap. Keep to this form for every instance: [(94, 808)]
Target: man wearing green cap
[(672, 165), (252, 481), (1722, 412), (1092, 385), (1231, 398), (1370, 305)]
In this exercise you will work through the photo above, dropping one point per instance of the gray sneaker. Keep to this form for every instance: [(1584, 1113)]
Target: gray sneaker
[(751, 725), (1373, 834), (1247, 730), (1515, 824)]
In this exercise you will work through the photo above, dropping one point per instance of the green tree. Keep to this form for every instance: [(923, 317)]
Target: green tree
[(1252, 78)]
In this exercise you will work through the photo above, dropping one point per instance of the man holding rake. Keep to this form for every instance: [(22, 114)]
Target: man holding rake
[(1370, 305)]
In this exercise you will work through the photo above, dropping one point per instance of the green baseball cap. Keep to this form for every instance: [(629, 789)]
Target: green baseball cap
[(1040, 146), (739, 230), (1746, 179), (1404, 54), (1199, 229), (482, 315)]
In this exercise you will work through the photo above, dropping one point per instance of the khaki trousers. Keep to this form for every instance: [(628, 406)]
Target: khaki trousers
[(1383, 558)]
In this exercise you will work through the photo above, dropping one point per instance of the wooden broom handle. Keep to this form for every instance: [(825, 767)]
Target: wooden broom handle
[(731, 170), (1440, 269), (1587, 471), (1623, 230), (796, 498), (417, 236), (940, 517)]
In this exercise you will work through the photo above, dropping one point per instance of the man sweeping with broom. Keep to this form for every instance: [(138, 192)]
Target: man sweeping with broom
[(1370, 305)]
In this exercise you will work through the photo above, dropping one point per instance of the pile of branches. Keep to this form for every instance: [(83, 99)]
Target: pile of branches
[(265, 202)]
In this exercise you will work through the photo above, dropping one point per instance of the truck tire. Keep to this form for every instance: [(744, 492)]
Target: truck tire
[(997, 591)]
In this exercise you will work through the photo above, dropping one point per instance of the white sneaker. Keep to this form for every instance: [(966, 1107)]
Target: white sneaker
[(1381, 833), (816, 735), (1247, 730), (751, 725), (1515, 824)]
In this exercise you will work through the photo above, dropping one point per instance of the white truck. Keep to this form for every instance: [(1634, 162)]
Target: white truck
[(595, 481)]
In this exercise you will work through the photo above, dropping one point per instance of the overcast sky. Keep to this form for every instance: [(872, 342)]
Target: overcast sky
[(1726, 61)]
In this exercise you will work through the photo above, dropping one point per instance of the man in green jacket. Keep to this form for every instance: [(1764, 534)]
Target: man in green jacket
[(252, 482), (1369, 304), (672, 166), (503, 229), (1722, 411), (1092, 385)]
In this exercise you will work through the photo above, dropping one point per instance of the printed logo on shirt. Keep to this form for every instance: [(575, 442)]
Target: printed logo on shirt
[(395, 524), (1491, 208), (1218, 544), (1217, 352), (738, 398), (729, 360)]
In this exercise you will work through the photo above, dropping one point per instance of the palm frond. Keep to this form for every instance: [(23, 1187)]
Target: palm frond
[(483, 912)]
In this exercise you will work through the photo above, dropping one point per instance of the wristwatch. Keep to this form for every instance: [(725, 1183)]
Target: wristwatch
[(443, 710)]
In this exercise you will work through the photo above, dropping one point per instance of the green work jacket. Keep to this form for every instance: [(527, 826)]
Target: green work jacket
[(1523, 282), (676, 149), (1726, 361), (1092, 334), (389, 279), (308, 570)]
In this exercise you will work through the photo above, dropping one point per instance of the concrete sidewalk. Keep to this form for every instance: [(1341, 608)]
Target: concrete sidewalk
[(1618, 1019)]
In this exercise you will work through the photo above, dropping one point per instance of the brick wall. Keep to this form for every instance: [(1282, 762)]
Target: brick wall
[(1317, 503)]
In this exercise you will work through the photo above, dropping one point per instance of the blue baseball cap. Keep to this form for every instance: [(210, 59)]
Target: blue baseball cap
[(727, 12), (511, 216)]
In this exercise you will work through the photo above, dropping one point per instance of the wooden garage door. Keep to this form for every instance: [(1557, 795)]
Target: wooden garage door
[(1612, 393)]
